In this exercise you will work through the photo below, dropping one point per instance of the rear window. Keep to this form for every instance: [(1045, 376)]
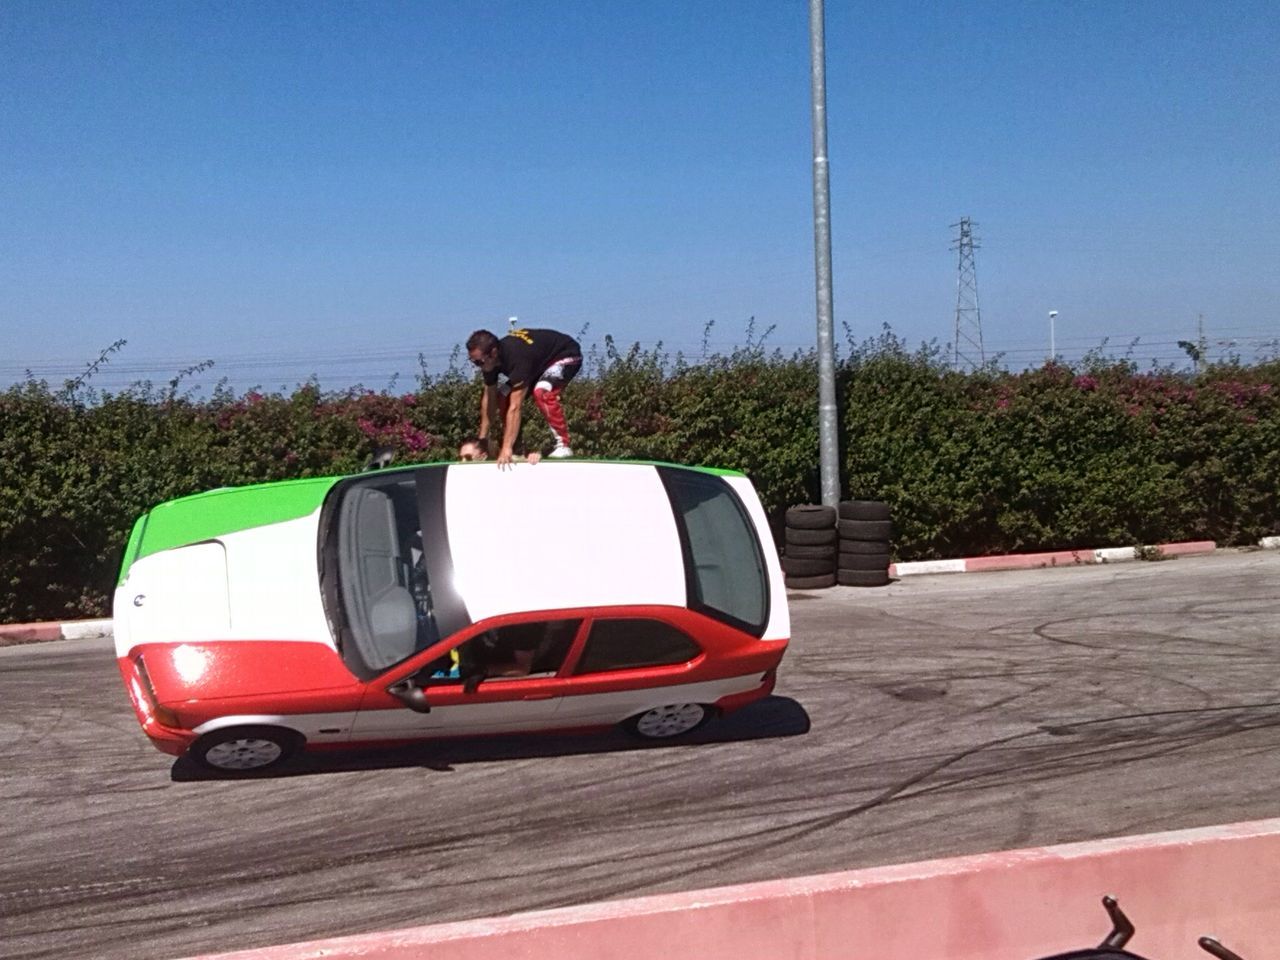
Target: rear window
[(623, 644), (724, 565)]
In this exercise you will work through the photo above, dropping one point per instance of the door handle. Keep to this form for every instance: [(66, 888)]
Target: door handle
[(539, 696)]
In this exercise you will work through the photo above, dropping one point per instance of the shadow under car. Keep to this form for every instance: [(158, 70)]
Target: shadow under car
[(768, 718)]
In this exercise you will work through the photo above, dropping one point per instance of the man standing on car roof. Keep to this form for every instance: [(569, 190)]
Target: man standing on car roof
[(541, 361)]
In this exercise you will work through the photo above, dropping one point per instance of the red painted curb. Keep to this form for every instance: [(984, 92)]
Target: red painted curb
[(1187, 548), (1055, 558), (12, 634), (1013, 903), (1023, 561)]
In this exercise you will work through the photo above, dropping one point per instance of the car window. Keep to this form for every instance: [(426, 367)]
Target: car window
[(380, 578), (627, 643), (724, 564), (536, 649)]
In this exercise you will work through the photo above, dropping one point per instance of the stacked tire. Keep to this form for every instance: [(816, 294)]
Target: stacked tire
[(864, 531), (809, 554)]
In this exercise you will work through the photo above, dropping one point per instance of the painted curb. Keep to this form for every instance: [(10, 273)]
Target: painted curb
[(1016, 903), (1058, 558), (15, 634)]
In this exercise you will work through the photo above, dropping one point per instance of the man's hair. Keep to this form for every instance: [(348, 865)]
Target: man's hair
[(482, 339)]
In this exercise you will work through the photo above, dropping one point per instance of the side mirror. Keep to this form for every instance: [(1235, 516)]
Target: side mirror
[(411, 695)]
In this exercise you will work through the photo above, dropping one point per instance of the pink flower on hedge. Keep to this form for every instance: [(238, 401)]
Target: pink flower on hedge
[(1086, 382), (413, 438), (367, 427)]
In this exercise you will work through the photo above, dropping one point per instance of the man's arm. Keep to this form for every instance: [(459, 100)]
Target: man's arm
[(511, 429), (488, 413)]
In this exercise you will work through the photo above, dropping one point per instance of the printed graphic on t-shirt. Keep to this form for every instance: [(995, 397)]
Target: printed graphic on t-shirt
[(524, 354)]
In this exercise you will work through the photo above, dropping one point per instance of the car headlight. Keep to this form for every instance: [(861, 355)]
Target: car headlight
[(163, 715)]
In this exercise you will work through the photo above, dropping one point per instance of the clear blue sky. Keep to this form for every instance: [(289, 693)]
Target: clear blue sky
[(289, 188)]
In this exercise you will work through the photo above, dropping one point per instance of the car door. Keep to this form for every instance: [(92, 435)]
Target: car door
[(629, 664), (503, 679)]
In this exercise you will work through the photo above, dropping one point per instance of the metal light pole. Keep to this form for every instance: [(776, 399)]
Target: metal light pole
[(1053, 350), (828, 442)]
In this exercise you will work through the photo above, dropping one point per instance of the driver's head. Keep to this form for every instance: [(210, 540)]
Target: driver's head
[(472, 449)]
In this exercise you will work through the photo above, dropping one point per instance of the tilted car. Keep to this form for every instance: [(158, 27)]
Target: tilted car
[(447, 600)]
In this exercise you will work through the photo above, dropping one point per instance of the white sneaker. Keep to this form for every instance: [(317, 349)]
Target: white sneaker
[(560, 452)]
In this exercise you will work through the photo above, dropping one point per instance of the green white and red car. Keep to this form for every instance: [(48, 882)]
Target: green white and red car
[(447, 600)]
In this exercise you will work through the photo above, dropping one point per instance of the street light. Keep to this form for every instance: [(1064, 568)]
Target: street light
[(1053, 351)]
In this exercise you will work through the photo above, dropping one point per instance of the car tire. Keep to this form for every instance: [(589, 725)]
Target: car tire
[(236, 750), (864, 561), (811, 516), (863, 578), (860, 547), (866, 529), (863, 510), (670, 720), (826, 551), (811, 583), (807, 567), (810, 538)]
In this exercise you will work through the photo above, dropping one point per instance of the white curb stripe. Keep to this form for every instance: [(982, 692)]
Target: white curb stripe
[(86, 629), (1115, 554), (930, 566)]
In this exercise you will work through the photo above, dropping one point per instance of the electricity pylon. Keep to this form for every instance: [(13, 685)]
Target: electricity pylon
[(968, 350)]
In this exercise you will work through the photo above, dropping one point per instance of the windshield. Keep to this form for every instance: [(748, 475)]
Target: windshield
[(376, 586), (725, 571)]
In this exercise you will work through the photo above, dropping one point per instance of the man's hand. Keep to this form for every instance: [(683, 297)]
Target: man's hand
[(511, 429)]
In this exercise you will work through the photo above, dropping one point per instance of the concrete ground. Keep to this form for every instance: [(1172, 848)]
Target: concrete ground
[(937, 716)]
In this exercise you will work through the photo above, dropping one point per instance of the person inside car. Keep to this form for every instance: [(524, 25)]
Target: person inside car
[(474, 449)]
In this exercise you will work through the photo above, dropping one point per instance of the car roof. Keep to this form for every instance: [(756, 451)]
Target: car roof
[(530, 538)]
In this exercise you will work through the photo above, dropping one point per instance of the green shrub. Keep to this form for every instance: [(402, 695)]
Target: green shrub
[(988, 462)]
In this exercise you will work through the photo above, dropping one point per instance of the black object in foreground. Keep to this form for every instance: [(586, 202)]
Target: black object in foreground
[(1122, 929)]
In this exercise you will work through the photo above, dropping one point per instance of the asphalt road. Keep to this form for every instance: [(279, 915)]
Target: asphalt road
[(939, 716)]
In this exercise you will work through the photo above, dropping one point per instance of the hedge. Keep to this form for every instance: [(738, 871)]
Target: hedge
[(981, 463)]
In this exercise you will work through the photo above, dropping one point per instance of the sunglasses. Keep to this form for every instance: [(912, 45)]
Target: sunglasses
[(478, 361)]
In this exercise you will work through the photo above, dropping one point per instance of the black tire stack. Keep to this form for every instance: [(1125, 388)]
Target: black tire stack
[(865, 530), (809, 554)]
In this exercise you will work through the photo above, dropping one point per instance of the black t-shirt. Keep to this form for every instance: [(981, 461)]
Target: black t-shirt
[(524, 354)]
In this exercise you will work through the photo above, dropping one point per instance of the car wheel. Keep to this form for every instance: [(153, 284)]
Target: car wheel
[(244, 749), (810, 583), (864, 561), (863, 578), (671, 720), (822, 552), (866, 529), (863, 510), (810, 538), (810, 516)]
